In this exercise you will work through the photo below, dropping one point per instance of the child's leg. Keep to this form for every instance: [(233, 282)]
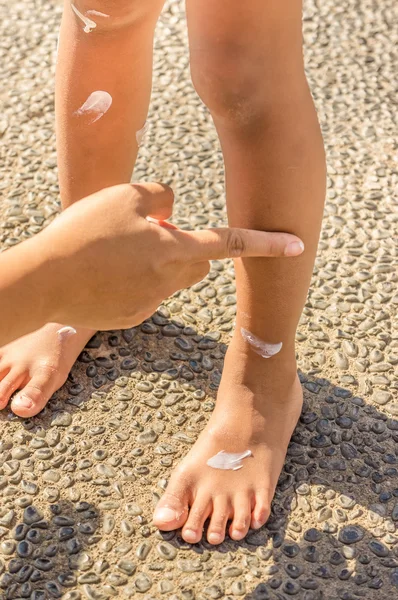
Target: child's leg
[(247, 66), (103, 88)]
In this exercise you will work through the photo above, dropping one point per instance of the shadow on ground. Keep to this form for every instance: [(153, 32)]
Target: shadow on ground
[(332, 531)]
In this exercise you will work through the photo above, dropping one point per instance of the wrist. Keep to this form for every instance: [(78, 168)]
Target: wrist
[(44, 276), (25, 286)]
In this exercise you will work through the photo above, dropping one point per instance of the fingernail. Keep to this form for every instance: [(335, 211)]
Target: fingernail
[(294, 249), (22, 402), (166, 515)]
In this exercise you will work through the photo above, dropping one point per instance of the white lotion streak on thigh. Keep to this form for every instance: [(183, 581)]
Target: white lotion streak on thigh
[(141, 133), (228, 461), (66, 332), (89, 25), (97, 104), (262, 348)]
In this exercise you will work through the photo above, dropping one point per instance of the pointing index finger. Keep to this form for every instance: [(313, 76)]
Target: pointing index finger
[(231, 242)]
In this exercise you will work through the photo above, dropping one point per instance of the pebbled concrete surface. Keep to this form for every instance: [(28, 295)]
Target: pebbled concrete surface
[(78, 483)]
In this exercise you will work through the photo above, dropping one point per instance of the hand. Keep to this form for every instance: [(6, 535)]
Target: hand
[(110, 267)]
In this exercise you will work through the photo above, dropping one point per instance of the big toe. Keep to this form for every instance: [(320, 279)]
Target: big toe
[(35, 395), (171, 512), (8, 385)]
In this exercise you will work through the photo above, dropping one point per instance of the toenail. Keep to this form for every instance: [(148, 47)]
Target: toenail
[(257, 524), (237, 534), (190, 533), (22, 402), (166, 514), (215, 538)]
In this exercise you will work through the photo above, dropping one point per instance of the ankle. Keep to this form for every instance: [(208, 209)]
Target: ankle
[(258, 381), (245, 358)]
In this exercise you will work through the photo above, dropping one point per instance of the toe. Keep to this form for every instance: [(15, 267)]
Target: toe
[(37, 392), (198, 513), (8, 385), (4, 370), (242, 516), (262, 509), (172, 509), (218, 521)]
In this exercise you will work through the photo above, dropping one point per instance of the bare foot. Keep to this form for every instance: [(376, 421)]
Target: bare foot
[(258, 405), (38, 364)]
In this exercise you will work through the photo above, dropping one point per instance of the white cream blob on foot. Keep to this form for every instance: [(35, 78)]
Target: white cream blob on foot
[(228, 461), (141, 133), (66, 332), (96, 105), (262, 348), (89, 24)]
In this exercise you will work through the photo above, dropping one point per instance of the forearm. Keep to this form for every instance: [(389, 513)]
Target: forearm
[(25, 298)]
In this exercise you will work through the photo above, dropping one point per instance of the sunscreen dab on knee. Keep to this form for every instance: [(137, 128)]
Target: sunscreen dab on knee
[(141, 133), (89, 24), (96, 13), (259, 346), (96, 105), (66, 332), (231, 461)]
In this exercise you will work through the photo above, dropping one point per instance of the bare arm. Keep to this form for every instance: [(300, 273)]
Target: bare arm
[(24, 299)]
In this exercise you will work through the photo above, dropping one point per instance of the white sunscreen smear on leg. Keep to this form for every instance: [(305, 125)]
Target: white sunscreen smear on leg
[(96, 13), (96, 105), (141, 133), (262, 348), (89, 24), (228, 461), (66, 332)]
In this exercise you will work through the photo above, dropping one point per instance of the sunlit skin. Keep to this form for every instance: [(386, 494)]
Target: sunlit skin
[(68, 267), (247, 66)]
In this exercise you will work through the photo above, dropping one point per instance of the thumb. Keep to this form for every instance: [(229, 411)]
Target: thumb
[(211, 244)]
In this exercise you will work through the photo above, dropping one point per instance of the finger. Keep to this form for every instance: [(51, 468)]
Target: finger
[(221, 243), (155, 200)]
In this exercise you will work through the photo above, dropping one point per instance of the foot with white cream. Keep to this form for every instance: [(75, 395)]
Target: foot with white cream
[(231, 472)]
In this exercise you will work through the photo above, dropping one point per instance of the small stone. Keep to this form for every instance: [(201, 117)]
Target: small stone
[(166, 550), (61, 419), (351, 534), (32, 515), (312, 535), (24, 549), (116, 579), (378, 548), (214, 592), (126, 566), (147, 437), (143, 583), (381, 397)]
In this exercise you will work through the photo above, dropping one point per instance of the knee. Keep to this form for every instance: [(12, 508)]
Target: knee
[(239, 87), (105, 15)]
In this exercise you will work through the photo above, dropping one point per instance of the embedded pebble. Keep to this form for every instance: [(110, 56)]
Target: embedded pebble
[(351, 534)]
